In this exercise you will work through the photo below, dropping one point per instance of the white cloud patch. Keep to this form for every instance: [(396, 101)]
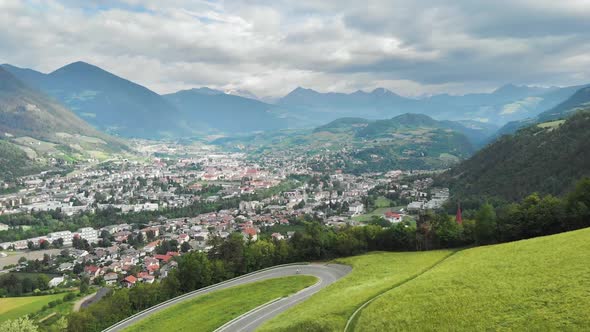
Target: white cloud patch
[(521, 105), (270, 47)]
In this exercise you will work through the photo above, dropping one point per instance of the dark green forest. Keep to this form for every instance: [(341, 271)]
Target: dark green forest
[(547, 159)]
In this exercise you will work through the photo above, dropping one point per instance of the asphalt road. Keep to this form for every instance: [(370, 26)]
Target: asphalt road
[(326, 273)]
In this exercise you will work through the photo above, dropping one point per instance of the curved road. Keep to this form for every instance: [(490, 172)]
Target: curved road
[(326, 273)]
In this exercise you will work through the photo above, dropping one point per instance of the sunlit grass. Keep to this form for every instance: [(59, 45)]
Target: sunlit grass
[(541, 284), (208, 312), (372, 274)]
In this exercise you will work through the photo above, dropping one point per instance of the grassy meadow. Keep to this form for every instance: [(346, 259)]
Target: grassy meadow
[(210, 311), (14, 307), (372, 274), (541, 284)]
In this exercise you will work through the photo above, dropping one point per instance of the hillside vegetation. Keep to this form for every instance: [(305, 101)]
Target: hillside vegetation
[(408, 141), (539, 284), (14, 162), (547, 159), (372, 274)]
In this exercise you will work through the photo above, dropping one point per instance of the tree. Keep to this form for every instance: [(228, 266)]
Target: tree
[(185, 247), (22, 260), (485, 224), (578, 205), (84, 285), (42, 282), (194, 271), (44, 244), (23, 324)]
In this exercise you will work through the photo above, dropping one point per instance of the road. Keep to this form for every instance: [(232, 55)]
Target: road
[(326, 273), (90, 299)]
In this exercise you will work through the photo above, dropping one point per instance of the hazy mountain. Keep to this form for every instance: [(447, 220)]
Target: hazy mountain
[(579, 100), (242, 93), (41, 127), (107, 101), (224, 112), (507, 103), (546, 158)]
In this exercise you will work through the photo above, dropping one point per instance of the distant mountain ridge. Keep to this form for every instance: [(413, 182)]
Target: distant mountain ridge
[(121, 107), (105, 100), (225, 112), (507, 103)]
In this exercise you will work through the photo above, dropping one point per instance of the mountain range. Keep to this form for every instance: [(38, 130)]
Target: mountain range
[(119, 106)]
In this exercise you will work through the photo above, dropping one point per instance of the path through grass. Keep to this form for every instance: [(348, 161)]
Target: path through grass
[(372, 274)]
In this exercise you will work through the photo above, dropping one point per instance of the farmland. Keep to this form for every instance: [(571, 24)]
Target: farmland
[(14, 307), (372, 274), (208, 312), (540, 284)]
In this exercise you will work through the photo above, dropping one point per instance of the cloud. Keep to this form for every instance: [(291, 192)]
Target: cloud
[(270, 47)]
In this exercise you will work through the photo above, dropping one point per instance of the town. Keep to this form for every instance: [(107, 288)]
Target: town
[(264, 197)]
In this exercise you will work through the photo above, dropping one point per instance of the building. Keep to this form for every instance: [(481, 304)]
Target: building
[(55, 281), (356, 208), (89, 234), (393, 217)]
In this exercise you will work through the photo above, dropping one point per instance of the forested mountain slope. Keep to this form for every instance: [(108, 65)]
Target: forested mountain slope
[(546, 158)]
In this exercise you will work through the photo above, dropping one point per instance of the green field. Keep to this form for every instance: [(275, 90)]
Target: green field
[(541, 284), (14, 307), (372, 274), (208, 312)]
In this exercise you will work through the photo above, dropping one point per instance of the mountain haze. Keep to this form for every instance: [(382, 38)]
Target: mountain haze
[(107, 101)]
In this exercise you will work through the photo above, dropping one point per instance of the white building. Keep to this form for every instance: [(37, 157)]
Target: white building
[(89, 234), (356, 208), (55, 281)]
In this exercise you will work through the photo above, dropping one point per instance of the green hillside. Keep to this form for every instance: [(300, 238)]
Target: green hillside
[(539, 284), (14, 162), (372, 274), (408, 141), (541, 158)]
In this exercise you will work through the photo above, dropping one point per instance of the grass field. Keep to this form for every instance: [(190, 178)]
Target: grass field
[(541, 284), (372, 274), (208, 312), (14, 307)]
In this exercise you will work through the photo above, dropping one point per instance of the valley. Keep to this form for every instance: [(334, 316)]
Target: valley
[(238, 166)]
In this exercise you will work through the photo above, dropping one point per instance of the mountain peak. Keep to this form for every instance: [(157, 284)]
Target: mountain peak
[(79, 68), (206, 91)]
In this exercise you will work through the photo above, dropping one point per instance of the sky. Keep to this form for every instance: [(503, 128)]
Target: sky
[(270, 47)]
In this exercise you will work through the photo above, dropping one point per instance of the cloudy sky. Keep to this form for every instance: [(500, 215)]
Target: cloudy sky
[(272, 46)]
